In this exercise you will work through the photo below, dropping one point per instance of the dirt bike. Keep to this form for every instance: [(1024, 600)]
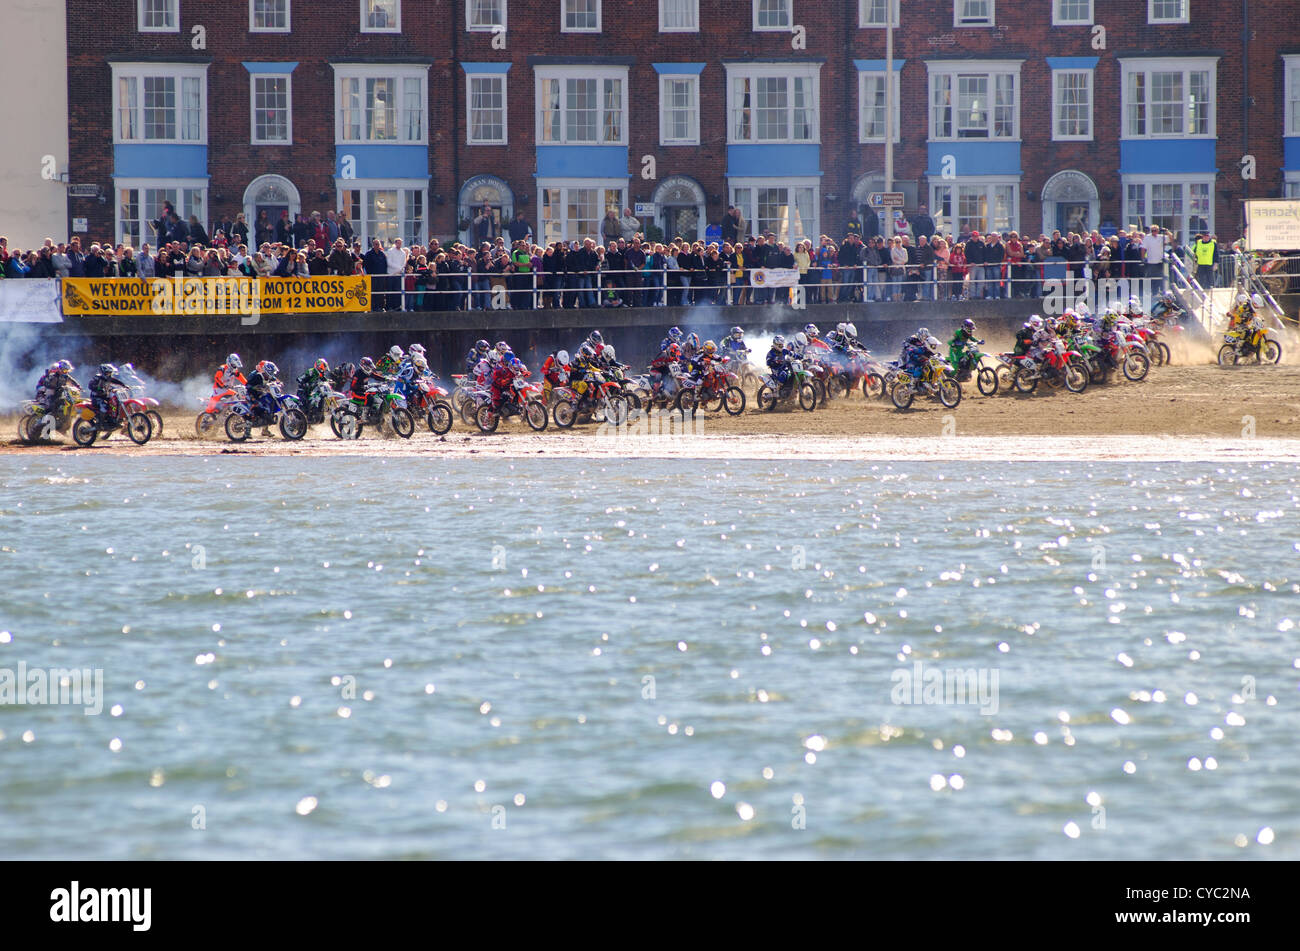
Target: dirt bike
[(821, 375), (1125, 352), (245, 416), (137, 389), (771, 392), (1149, 333), (936, 381), (525, 399), (1057, 367), (602, 398), (215, 409), (1093, 362), (428, 400), (968, 359), (466, 396), (717, 390), (1238, 348), (382, 407), (36, 425), (126, 412)]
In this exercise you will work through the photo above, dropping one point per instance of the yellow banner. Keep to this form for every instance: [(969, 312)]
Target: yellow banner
[(212, 296)]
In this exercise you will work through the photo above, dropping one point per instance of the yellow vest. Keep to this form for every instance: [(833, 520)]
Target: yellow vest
[(1204, 253)]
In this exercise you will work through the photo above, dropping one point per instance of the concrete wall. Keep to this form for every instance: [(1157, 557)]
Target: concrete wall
[(34, 78)]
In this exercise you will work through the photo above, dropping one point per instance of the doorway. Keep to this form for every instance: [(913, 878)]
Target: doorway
[(275, 195), (681, 221)]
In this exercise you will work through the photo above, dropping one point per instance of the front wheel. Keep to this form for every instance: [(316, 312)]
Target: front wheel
[(873, 386), (1227, 355), (765, 398), (685, 403), (1272, 352), (902, 394), (987, 381), (347, 424), (535, 415), (402, 421), (1166, 355), (487, 420), (733, 401), (841, 385), (293, 424), (1025, 381), (1076, 378), (84, 433), (808, 397), (564, 413), (468, 411), (237, 428), (1136, 366), (616, 410), (949, 392), (139, 428), (204, 423), (439, 418)]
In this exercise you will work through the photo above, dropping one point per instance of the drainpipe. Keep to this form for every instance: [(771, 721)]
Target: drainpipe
[(456, 99), (1245, 84)]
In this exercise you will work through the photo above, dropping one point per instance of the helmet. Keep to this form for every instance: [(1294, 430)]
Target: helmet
[(1168, 297), (269, 368), (322, 366), (416, 348), (63, 366), (595, 338), (418, 361), (107, 369), (1035, 322), (1257, 300), (693, 340), (811, 330), (1243, 299), (923, 332), (587, 350), (674, 351), (710, 346), (396, 352), (503, 347), (840, 327), (562, 356), (778, 342), (234, 362), (968, 324), (367, 364), (609, 353), (801, 339), (675, 334), (494, 357), (933, 343), (520, 369), (261, 366), (851, 329), (737, 333), (482, 346)]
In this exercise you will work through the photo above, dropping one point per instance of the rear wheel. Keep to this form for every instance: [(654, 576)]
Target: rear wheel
[(564, 413), (1272, 352), (534, 415), (987, 381), (139, 428), (204, 424), (1025, 381), (402, 421), (841, 385), (293, 424), (873, 386), (1136, 366), (24, 427), (439, 418), (237, 428), (685, 402), (346, 424), (468, 411), (733, 401), (155, 418), (487, 420), (84, 432), (1166, 355)]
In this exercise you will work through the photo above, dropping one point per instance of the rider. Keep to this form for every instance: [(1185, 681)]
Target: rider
[(101, 393), (674, 336), (312, 383), (692, 346), (1025, 336), (476, 354), (733, 345), (1166, 307), (702, 364), (778, 361), (413, 368), (391, 362), (816, 347), (555, 371), (961, 339), (583, 366), (661, 375), (367, 374), (52, 383), (260, 393), (228, 375)]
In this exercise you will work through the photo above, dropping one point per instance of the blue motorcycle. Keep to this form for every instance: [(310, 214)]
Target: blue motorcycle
[(273, 408)]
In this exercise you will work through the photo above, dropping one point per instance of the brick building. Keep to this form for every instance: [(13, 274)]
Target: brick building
[(410, 115)]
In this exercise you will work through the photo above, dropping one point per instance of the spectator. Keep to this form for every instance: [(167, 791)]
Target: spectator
[(995, 254), (731, 225), (485, 226), (1154, 248), (519, 228), (628, 225), (854, 225), (922, 224), (375, 263), (609, 227), (897, 267), (850, 261), (974, 253), (957, 271), (396, 257)]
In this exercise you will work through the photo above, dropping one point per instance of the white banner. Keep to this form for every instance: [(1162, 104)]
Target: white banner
[(1273, 224), (30, 301), (774, 276)]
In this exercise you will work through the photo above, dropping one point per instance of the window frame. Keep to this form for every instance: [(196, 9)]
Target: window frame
[(469, 109), (789, 71), (862, 106), (180, 185), (694, 80), (680, 29), (1291, 184), (862, 16), (599, 73), (1291, 94), (749, 211), (952, 223), (399, 185), (1169, 64), (1092, 104), (789, 6), (288, 19), (600, 19), (1184, 179), (395, 71), (959, 23), (565, 185), (176, 16), (141, 71), (470, 27), (1166, 21), (1058, 20), (381, 29), (989, 69), (252, 108)]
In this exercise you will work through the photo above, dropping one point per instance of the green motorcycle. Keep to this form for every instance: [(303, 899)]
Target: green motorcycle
[(967, 359)]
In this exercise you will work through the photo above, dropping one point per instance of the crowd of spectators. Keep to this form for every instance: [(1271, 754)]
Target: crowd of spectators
[(625, 269)]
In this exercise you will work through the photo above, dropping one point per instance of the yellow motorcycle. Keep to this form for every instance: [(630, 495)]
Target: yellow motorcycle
[(35, 425)]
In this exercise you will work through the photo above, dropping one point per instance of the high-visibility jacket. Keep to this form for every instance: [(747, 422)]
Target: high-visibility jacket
[(1204, 253)]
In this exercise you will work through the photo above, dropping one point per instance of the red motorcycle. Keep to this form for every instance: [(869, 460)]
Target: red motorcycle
[(125, 412), (524, 398), (426, 398), (1056, 367), (715, 391)]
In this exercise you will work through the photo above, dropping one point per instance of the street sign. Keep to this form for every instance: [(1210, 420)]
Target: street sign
[(645, 208), (885, 199), (80, 225), (83, 191)]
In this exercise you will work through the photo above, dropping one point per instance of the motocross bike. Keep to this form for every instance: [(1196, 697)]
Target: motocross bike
[(1239, 348), (718, 390), (427, 399), (36, 425), (125, 412), (382, 407), (771, 391), (602, 398), (524, 399), (1057, 367), (936, 381), (245, 415), (215, 409), (137, 390), (968, 359)]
